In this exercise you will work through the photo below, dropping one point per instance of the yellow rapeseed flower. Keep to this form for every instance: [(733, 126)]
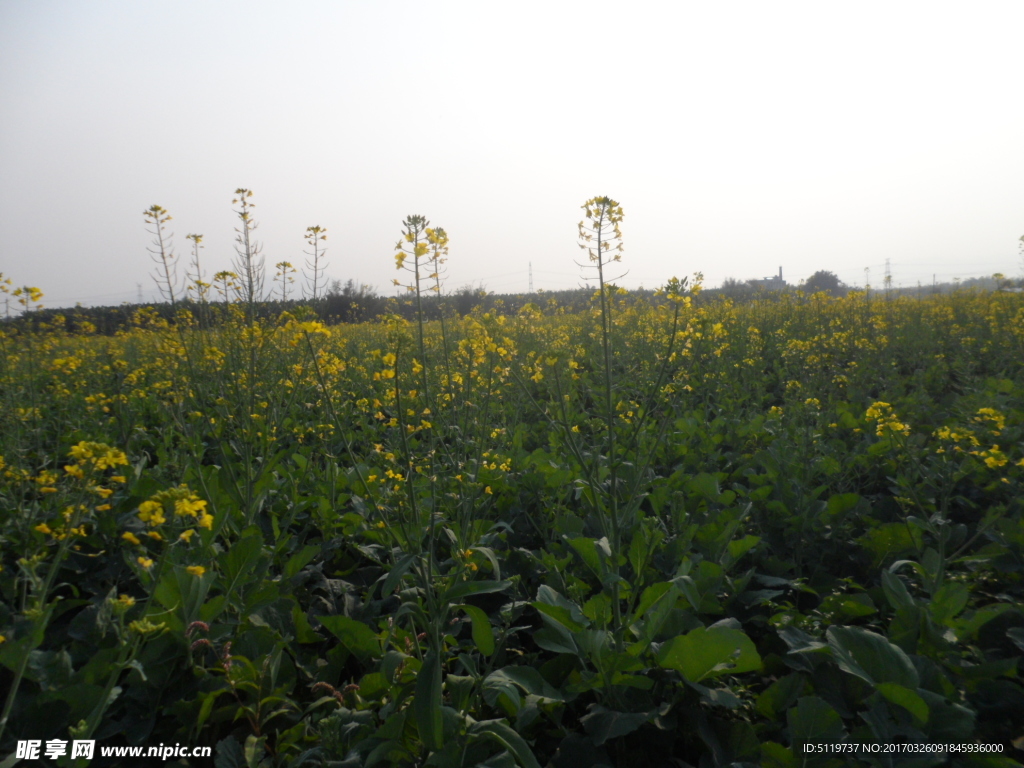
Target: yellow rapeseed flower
[(130, 537), (196, 570), (145, 562)]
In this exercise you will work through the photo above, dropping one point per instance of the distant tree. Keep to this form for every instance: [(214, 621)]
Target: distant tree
[(736, 290), (824, 281)]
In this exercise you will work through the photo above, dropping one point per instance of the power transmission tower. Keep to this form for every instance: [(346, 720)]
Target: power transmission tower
[(531, 277), (140, 291)]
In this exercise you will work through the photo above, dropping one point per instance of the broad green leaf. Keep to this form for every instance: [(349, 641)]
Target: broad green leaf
[(774, 755), (482, 635), (427, 702), (871, 657), (705, 653), (300, 560), (739, 547), (501, 732), (593, 552), (527, 678), (1016, 634), (948, 601), (303, 629), (563, 616), (813, 721), (556, 639), (602, 723), (906, 698), (497, 685), (551, 604), (395, 575), (245, 561), (464, 589), (650, 596), (780, 695), (599, 609), (254, 750), (704, 485), (182, 593), (841, 503), (896, 591), (229, 754), (359, 639), (799, 641)]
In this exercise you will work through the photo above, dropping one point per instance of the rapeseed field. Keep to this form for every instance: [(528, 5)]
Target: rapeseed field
[(661, 531)]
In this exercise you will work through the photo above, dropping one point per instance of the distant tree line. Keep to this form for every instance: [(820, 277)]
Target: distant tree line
[(353, 302)]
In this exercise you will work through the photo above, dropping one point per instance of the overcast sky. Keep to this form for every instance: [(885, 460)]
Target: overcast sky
[(738, 137)]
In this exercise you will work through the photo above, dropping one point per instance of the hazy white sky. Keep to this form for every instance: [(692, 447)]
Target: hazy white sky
[(737, 136)]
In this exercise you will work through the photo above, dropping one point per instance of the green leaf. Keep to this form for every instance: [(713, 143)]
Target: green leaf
[(948, 601), (603, 724), (599, 609), (704, 485), (906, 698), (705, 653), (896, 591), (588, 549), (650, 596), (841, 503), (871, 657), (739, 547), (780, 695), (496, 686), (551, 604), (482, 635), (466, 588), (502, 733), (300, 560), (244, 562), (254, 750), (563, 616), (556, 639), (181, 592), (358, 638), (527, 678), (303, 629), (426, 704), (395, 575), (229, 754), (813, 721), (774, 755)]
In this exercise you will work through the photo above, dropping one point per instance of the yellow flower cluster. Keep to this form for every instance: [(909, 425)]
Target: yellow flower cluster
[(179, 501), (886, 419), (97, 456), (992, 419)]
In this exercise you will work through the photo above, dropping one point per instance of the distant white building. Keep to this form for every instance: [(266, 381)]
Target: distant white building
[(773, 283)]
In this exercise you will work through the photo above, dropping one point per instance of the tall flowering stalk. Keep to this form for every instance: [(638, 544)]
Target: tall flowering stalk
[(601, 237), (249, 262), (162, 252), (315, 263), (284, 276), (420, 252)]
